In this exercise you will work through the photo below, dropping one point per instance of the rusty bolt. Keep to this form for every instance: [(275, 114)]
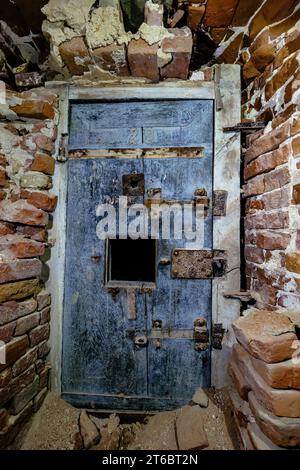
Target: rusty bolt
[(176, 253), (174, 272)]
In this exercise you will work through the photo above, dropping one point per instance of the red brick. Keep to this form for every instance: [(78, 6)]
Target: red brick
[(19, 247), (6, 229), (35, 233), (11, 311), (27, 323), (37, 109), (219, 13), (142, 60), (277, 179), (23, 213), (195, 15), (296, 146), (43, 163), (254, 186), (279, 79), (45, 315), (43, 142), (20, 269), (263, 56), (112, 58), (267, 142), (5, 377), (40, 199), (39, 334), (43, 299), (284, 116), (24, 362), (256, 255), (270, 13), (15, 349), (181, 47), (273, 240), (72, 49), (16, 385), (7, 332), (275, 220), (276, 199), (153, 15), (267, 162)]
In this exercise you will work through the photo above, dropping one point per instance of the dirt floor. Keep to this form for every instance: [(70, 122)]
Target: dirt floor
[(59, 426)]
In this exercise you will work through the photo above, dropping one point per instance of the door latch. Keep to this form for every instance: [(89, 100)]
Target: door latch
[(201, 334), (141, 340)]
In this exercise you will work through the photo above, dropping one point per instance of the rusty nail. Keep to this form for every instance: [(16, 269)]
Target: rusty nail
[(176, 253)]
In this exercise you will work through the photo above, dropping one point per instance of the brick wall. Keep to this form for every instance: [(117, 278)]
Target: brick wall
[(268, 53), (27, 134)]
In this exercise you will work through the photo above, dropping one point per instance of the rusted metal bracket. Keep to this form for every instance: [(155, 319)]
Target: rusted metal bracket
[(201, 334), (63, 148), (198, 264), (218, 333), (219, 203), (245, 296), (246, 127)]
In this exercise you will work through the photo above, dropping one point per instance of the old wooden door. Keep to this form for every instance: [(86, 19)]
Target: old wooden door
[(129, 321)]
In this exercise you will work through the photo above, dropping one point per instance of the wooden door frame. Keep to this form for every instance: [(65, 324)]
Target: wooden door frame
[(226, 93)]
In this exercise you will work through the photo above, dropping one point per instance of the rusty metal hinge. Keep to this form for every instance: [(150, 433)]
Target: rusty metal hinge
[(220, 203), (217, 335), (63, 148), (250, 126)]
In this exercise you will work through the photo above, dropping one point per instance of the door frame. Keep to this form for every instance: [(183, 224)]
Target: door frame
[(226, 93)]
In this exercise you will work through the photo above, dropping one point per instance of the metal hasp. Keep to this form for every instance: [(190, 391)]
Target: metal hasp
[(201, 334), (198, 264), (219, 203), (217, 335)]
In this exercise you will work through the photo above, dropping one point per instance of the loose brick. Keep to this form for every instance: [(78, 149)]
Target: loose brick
[(21, 269), (39, 334), (27, 323), (266, 335), (283, 375), (37, 109), (23, 213), (142, 59), (73, 49), (12, 310), (153, 14), (112, 58), (19, 247)]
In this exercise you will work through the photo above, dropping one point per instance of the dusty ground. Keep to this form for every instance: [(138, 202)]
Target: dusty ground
[(57, 427)]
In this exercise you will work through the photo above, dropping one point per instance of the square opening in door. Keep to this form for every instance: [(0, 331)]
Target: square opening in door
[(131, 262)]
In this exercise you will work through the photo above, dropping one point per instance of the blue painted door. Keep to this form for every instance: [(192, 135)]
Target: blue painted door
[(130, 344)]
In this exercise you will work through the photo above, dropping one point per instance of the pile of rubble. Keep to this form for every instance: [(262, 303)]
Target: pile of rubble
[(59, 426), (265, 368)]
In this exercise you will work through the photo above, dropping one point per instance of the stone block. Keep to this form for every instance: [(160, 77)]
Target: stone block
[(40, 199), (26, 324), (189, 429), (21, 269), (266, 335), (18, 290), (284, 432), (75, 55), (21, 212), (24, 362), (36, 109), (17, 246), (21, 399), (112, 58), (89, 432), (259, 440), (39, 334), (35, 180), (43, 299), (12, 310), (43, 163)]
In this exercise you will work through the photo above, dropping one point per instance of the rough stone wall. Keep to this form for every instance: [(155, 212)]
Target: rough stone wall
[(268, 50), (27, 134)]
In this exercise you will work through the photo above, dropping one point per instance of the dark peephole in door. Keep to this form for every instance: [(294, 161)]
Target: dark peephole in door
[(131, 261)]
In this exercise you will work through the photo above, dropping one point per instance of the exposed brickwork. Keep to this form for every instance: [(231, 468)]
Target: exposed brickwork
[(26, 146)]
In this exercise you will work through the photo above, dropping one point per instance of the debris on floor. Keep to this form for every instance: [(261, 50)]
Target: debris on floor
[(205, 423)]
